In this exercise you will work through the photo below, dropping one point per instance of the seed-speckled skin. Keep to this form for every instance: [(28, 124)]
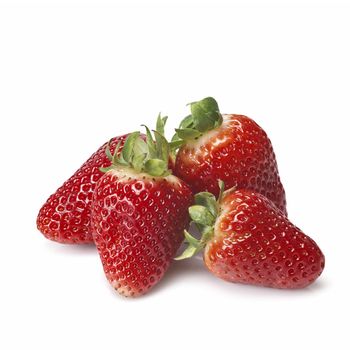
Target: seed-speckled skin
[(255, 243), (138, 224), (239, 153), (65, 217)]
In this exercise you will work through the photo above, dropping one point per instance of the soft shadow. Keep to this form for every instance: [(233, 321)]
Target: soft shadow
[(196, 269), (259, 291), (319, 285), (71, 249), (180, 270), (183, 268)]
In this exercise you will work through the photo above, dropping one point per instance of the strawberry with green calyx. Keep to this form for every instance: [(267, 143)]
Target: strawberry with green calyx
[(230, 147), (65, 217), (139, 212), (247, 239)]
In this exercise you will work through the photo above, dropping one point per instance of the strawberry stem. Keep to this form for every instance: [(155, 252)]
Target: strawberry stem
[(222, 189), (150, 156), (205, 115), (203, 214)]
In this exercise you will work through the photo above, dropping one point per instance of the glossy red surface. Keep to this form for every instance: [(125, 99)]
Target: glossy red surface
[(240, 154), (65, 217), (138, 227), (255, 243)]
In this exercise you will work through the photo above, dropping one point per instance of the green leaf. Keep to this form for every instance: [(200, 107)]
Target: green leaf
[(161, 124), (190, 239), (207, 234), (206, 114), (156, 161), (128, 147), (175, 137), (108, 150), (187, 253), (202, 123), (162, 146), (174, 145), (187, 122), (115, 153), (140, 146), (156, 167), (152, 152), (140, 154), (207, 105), (201, 215), (137, 161), (207, 200), (194, 246), (187, 134), (120, 161), (219, 121)]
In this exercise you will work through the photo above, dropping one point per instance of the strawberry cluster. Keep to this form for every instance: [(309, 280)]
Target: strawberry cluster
[(138, 197)]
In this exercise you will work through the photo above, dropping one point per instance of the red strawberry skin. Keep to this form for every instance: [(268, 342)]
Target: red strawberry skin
[(255, 243), (238, 152), (65, 217), (138, 224)]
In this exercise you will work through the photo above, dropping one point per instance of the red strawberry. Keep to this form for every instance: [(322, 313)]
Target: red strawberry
[(65, 217), (229, 147), (139, 212), (247, 239)]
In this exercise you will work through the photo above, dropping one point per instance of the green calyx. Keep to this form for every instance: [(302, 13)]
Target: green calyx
[(203, 214), (205, 115), (150, 156)]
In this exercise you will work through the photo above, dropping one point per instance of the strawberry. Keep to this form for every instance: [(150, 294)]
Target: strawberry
[(139, 212), (230, 147), (247, 239), (65, 217)]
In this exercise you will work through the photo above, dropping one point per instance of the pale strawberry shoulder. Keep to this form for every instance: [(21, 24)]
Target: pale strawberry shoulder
[(125, 174)]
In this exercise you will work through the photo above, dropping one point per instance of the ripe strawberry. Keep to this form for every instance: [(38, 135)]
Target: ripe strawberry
[(139, 212), (65, 217), (229, 147), (247, 239)]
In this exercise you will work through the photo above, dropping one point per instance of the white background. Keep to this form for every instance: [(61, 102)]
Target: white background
[(73, 76)]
